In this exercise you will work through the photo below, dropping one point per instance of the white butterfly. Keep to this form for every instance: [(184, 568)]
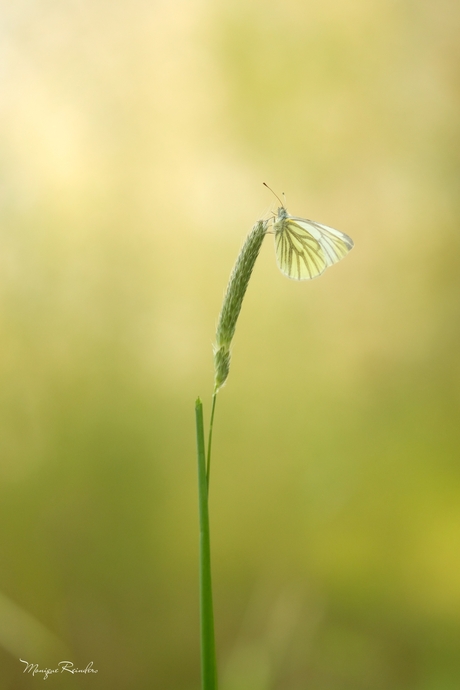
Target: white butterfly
[(304, 248)]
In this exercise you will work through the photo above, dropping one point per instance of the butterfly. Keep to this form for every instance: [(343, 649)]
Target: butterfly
[(305, 248)]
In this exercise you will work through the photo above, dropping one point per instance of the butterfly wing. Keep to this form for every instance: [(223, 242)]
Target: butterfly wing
[(299, 253), (335, 244)]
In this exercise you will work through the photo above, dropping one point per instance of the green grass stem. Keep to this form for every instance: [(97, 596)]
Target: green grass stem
[(211, 426), (208, 648)]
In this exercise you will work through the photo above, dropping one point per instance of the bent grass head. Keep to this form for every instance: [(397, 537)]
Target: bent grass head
[(233, 300)]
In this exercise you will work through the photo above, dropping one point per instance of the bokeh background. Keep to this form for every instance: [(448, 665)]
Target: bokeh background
[(135, 137)]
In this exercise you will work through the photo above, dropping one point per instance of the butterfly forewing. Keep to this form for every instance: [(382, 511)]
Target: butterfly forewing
[(299, 254)]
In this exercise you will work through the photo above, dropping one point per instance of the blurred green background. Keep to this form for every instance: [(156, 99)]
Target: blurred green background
[(135, 137)]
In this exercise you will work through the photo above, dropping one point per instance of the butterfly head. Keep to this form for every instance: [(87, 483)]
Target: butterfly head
[(282, 214)]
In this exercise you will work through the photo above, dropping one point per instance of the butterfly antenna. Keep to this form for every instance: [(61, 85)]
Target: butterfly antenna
[(266, 185)]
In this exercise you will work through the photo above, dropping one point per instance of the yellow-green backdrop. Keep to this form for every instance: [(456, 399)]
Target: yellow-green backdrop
[(135, 137)]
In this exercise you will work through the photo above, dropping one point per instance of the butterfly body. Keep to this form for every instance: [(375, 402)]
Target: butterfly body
[(305, 248)]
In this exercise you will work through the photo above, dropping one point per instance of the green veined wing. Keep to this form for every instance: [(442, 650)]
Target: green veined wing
[(304, 248), (335, 244), (299, 255)]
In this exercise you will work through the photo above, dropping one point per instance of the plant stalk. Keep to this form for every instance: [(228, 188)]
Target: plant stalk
[(208, 647), (211, 426)]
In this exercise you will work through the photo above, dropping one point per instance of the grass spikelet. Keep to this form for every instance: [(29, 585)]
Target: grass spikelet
[(233, 300)]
